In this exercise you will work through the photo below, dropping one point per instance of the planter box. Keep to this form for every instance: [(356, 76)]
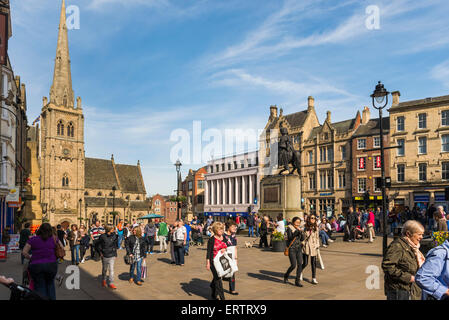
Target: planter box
[(279, 246)]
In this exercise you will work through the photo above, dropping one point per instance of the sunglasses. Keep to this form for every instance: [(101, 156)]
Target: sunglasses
[(312, 218)]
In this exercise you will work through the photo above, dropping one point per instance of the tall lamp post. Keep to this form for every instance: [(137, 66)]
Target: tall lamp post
[(178, 165), (113, 204), (380, 101), (81, 218)]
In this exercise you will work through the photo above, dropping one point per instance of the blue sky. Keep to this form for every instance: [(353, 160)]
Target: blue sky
[(145, 68)]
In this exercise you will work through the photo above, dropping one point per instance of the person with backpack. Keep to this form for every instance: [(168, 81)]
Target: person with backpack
[(25, 235), (119, 229), (162, 234), (150, 232)]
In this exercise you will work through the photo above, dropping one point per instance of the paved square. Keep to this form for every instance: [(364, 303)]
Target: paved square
[(260, 276)]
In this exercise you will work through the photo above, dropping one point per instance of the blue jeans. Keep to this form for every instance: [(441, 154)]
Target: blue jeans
[(392, 226), (120, 239), (430, 223), (257, 231), (324, 237), (75, 250), (377, 225), (186, 247), (138, 266), (179, 255), (250, 231), (43, 275)]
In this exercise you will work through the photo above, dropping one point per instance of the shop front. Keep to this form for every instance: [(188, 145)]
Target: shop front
[(421, 200), (440, 200), (224, 216), (373, 203)]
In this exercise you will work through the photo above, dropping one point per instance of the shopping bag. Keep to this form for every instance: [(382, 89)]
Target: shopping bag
[(320, 260), (144, 269), (222, 264)]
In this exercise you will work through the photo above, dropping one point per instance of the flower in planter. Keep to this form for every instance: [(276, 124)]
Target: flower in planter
[(439, 237), (278, 236)]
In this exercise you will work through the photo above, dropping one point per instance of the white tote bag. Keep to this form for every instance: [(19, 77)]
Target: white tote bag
[(222, 264), (230, 252)]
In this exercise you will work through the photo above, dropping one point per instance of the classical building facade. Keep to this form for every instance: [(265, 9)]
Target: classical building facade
[(232, 186), (326, 166), (73, 187), (420, 168), (366, 163)]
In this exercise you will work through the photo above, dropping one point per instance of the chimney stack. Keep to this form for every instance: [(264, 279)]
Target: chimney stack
[(328, 116), (396, 95), (273, 111), (310, 103), (366, 115)]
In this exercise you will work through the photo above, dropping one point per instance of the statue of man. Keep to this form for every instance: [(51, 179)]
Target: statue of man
[(285, 149)]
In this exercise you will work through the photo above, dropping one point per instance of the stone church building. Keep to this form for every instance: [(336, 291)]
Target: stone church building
[(73, 187)]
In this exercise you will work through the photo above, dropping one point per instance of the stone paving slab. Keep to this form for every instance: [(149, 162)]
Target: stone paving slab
[(260, 276)]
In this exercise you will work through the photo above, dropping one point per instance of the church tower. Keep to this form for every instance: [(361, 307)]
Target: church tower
[(62, 155)]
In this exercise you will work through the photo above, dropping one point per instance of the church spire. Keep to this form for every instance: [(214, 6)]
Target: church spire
[(61, 93)]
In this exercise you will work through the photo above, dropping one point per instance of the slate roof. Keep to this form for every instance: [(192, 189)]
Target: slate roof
[(130, 179), (373, 127), (420, 102), (340, 127), (294, 119), (99, 174)]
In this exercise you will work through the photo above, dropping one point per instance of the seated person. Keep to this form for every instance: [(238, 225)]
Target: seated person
[(324, 230), (359, 232)]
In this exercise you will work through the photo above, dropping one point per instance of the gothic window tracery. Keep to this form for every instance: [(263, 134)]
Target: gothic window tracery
[(70, 130), (60, 128), (65, 180)]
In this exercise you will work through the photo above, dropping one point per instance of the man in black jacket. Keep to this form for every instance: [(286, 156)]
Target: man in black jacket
[(250, 221), (107, 247)]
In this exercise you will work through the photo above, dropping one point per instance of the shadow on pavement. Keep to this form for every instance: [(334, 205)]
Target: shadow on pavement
[(166, 260), (261, 276), (197, 287)]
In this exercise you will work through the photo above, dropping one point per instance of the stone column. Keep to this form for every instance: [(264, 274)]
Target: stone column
[(212, 193), (206, 193), (236, 190), (243, 190), (229, 191), (251, 191)]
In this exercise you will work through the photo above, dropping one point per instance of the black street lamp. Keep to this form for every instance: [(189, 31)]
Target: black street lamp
[(81, 218), (113, 204), (178, 165), (380, 101)]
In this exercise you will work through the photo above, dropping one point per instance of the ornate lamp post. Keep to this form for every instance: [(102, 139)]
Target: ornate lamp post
[(380, 101), (178, 165)]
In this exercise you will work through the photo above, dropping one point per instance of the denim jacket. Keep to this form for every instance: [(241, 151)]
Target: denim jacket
[(433, 276)]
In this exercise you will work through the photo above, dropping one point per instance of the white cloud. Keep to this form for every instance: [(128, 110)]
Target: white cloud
[(441, 73)]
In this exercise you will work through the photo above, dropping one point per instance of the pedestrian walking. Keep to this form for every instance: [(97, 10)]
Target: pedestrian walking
[(251, 224), (180, 240), (257, 225), (295, 236), (172, 240), (74, 239), (25, 235), (188, 233), (136, 247), (107, 247), (311, 246), (43, 262), (150, 233), (162, 233), (377, 218), (402, 261), (264, 227), (433, 276), (214, 245), (95, 232), (84, 243), (370, 225), (62, 236), (120, 228), (230, 238), (440, 217)]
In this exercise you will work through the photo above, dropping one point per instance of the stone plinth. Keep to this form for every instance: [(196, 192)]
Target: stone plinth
[(281, 194)]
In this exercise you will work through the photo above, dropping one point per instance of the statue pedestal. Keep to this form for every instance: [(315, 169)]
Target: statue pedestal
[(281, 194)]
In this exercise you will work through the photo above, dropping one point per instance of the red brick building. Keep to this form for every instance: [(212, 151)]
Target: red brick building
[(366, 165), (163, 206)]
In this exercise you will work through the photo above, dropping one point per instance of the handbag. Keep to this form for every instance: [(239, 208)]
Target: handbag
[(179, 243), (59, 251), (128, 259), (286, 251)]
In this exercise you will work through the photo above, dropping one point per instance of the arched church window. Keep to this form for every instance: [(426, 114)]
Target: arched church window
[(138, 198), (60, 128), (70, 130), (99, 194), (65, 180), (86, 193)]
